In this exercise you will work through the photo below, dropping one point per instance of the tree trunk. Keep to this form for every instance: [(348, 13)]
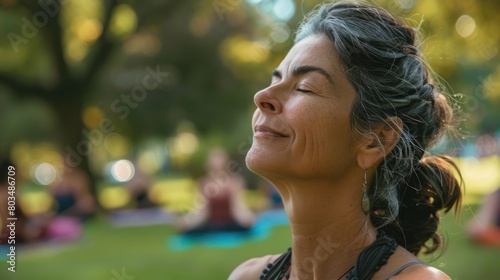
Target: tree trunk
[(76, 146)]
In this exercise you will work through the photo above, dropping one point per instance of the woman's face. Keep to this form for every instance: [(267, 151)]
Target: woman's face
[(301, 124)]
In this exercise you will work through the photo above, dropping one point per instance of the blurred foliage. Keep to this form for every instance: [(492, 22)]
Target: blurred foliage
[(68, 66)]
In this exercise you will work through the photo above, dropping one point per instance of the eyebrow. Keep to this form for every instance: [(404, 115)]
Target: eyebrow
[(304, 69)]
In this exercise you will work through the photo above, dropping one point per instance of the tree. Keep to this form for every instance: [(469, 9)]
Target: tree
[(70, 87), (121, 74)]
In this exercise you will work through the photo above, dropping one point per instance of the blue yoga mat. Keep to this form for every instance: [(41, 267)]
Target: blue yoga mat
[(261, 230), (4, 250)]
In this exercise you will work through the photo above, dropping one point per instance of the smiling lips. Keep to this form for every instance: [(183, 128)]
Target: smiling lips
[(264, 131)]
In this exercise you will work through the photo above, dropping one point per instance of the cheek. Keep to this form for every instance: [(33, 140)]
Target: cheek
[(323, 136), (313, 121)]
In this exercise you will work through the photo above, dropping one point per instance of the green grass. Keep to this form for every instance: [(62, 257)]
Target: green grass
[(142, 253), (462, 259)]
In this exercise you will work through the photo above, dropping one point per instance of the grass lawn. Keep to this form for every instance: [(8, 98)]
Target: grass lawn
[(105, 253), (140, 251), (462, 259)]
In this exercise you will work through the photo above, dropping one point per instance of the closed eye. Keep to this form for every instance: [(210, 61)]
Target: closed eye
[(304, 90)]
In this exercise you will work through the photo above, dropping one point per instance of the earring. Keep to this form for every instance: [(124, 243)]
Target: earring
[(365, 201)]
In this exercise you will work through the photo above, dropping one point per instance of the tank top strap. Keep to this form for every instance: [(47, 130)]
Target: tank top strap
[(395, 272)]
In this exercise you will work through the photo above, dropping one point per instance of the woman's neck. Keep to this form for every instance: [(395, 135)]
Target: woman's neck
[(328, 227)]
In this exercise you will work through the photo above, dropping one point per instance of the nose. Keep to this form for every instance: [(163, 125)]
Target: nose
[(267, 102)]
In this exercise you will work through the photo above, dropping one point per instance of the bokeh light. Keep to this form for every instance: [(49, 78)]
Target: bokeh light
[(406, 4), (43, 173), (182, 147), (83, 26), (116, 145), (280, 33), (92, 117), (150, 161), (465, 26), (89, 30), (176, 195), (284, 9), (122, 170), (37, 202), (186, 143), (76, 51), (114, 197), (240, 50), (124, 21)]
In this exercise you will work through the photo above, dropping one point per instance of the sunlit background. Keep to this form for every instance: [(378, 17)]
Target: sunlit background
[(122, 89)]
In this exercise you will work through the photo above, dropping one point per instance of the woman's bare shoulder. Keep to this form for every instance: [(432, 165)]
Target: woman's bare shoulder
[(421, 271), (252, 268), (418, 270)]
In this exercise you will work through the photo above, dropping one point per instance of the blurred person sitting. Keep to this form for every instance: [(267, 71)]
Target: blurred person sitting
[(223, 207), (72, 195), (73, 204), (484, 228), (139, 187)]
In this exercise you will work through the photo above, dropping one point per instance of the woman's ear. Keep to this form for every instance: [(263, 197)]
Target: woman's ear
[(379, 142)]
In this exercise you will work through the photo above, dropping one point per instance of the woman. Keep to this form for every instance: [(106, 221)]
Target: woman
[(342, 132), (223, 207), (72, 195)]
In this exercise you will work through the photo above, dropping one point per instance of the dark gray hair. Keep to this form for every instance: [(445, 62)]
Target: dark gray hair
[(391, 79)]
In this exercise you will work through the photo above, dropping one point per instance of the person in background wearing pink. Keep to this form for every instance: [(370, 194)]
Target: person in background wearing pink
[(221, 204)]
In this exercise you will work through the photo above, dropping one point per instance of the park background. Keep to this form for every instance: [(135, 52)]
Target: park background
[(72, 84)]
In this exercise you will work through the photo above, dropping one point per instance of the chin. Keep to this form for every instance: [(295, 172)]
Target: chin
[(253, 160), (264, 163)]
